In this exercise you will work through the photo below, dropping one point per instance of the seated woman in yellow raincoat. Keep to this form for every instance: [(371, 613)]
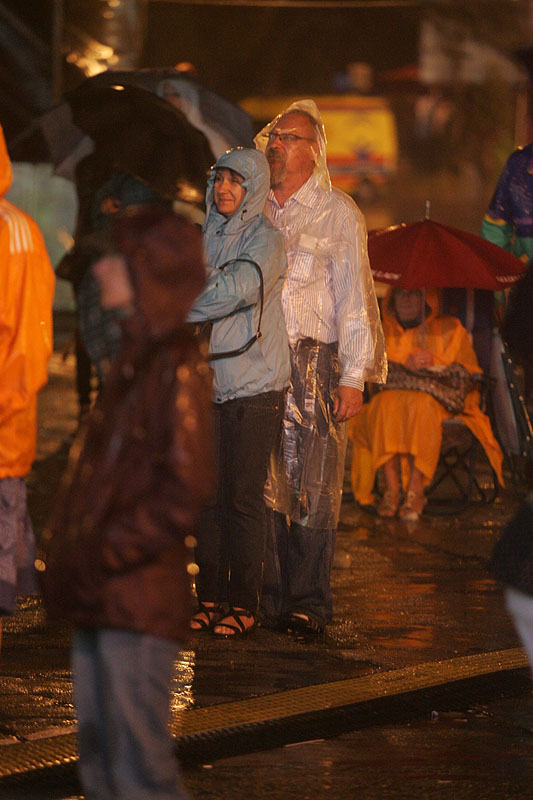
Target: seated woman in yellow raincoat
[(401, 429)]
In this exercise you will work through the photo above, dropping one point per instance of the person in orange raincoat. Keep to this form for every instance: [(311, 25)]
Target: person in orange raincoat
[(401, 429), (27, 285)]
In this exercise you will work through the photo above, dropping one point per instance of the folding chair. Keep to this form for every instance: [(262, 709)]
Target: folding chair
[(463, 467)]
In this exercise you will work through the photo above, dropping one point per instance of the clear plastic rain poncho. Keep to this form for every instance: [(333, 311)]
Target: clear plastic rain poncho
[(334, 328)]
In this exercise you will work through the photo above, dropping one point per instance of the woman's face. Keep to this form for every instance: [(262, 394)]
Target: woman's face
[(228, 191), (408, 304)]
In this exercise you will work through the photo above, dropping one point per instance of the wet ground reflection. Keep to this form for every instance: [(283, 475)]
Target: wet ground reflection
[(450, 754), (181, 695)]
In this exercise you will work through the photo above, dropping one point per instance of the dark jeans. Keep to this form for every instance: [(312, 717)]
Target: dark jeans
[(231, 539), (297, 570)]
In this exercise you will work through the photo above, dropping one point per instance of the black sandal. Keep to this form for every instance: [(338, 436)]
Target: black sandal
[(238, 629), (302, 623), (206, 617)]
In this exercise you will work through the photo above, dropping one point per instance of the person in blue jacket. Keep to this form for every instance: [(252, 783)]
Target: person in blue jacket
[(246, 268)]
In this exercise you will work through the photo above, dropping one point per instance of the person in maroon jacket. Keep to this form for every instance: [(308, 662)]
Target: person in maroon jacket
[(115, 555)]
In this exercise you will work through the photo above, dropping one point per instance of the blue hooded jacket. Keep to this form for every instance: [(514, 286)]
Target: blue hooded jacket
[(231, 298)]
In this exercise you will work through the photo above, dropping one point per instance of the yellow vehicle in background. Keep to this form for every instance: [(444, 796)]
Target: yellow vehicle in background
[(362, 151)]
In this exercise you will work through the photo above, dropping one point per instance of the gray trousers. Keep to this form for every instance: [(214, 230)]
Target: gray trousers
[(17, 545)]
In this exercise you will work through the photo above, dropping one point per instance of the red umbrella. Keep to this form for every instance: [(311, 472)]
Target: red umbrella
[(427, 254)]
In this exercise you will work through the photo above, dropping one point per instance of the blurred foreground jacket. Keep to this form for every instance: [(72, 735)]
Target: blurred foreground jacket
[(27, 285), (114, 554)]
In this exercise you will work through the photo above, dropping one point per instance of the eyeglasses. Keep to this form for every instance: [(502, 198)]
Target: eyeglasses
[(287, 138)]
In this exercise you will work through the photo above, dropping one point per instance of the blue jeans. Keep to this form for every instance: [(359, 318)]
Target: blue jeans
[(297, 570), (121, 691)]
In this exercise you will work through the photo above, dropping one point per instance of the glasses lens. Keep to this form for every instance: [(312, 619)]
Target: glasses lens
[(285, 138)]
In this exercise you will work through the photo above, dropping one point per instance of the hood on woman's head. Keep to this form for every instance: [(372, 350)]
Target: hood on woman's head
[(163, 252), (253, 166)]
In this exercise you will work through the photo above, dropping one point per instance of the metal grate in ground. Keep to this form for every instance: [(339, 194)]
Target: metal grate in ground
[(201, 728)]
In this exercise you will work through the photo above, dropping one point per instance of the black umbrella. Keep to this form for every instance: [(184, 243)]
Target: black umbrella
[(67, 143), (224, 116), (137, 132)]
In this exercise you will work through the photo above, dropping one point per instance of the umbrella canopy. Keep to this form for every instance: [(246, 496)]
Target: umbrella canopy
[(66, 143), (226, 117), (137, 132), (427, 254)]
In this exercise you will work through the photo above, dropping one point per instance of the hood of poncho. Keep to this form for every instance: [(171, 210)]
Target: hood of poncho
[(308, 107)]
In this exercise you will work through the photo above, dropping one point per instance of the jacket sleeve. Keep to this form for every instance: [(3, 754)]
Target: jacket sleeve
[(360, 335), (226, 291), (497, 224), (237, 286), (27, 290)]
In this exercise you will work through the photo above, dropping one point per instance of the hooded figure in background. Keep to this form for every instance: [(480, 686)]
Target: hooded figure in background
[(401, 429), (333, 323), (242, 299), (26, 298)]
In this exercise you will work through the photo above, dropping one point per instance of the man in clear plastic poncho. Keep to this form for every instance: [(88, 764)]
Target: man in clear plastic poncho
[(336, 344)]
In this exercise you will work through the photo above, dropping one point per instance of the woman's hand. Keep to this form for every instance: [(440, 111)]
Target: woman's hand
[(420, 359)]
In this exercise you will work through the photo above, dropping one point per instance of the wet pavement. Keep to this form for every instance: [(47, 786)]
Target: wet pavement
[(405, 595)]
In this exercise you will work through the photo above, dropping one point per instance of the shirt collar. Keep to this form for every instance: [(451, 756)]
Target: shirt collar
[(306, 195)]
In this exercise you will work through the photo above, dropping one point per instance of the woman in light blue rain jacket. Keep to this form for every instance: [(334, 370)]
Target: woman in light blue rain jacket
[(248, 387)]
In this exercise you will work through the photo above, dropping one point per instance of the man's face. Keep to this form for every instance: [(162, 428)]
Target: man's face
[(290, 149)]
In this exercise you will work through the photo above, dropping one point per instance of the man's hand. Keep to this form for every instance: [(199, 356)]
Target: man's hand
[(347, 403)]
